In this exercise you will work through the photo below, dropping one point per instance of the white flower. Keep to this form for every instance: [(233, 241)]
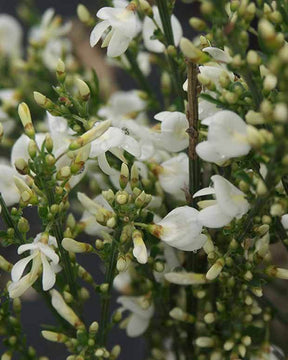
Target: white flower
[(122, 282), (123, 27), (121, 106), (8, 188), (54, 51), (181, 228), (229, 203), (227, 138), (114, 140), (49, 28), (10, 36), (44, 259), (149, 27), (139, 319), (173, 135), (174, 175)]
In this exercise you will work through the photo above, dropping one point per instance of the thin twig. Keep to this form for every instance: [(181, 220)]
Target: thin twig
[(192, 117)]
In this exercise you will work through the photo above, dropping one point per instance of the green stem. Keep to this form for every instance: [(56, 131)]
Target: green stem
[(255, 93), (166, 21), (57, 231), (106, 297)]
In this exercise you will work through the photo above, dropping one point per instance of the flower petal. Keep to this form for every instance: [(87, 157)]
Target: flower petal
[(20, 266), (97, 32), (204, 192), (137, 325), (104, 165), (118, 44), (214, 217), (48, 276), (25, 247)]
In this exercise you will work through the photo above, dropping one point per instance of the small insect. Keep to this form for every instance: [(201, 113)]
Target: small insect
[(81, 170), (125, 130)]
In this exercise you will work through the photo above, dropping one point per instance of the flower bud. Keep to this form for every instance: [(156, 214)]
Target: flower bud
[(64, 173), (280, 113), (180, 315), (48, 143), (25, 117), (254, 118), (23, 225), (197, 24), (146, 8), (261, 188), (134, 179), (21, 166), (90, 135), (93, 328), (43, 101), (209, 318), (254, 137), (139, 251), (140, 200), (60, 70), (192, 52), (121, 197), (242, 350), (185, 278), (54, 336), (32, 149), (64, 310), (124, 176), (208, 246), (228, 345), (204, 342), (279, 273), (276, 210), (84, 15), (84, 89), (270, 82), (25, 192), (5, 265), (6, 356), (158, 266), (108, 195), (85, 275), (253, 59), (215, 269), (76, 246), (121, 264)]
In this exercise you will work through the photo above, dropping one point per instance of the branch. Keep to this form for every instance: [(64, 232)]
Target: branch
[(192, 117)]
